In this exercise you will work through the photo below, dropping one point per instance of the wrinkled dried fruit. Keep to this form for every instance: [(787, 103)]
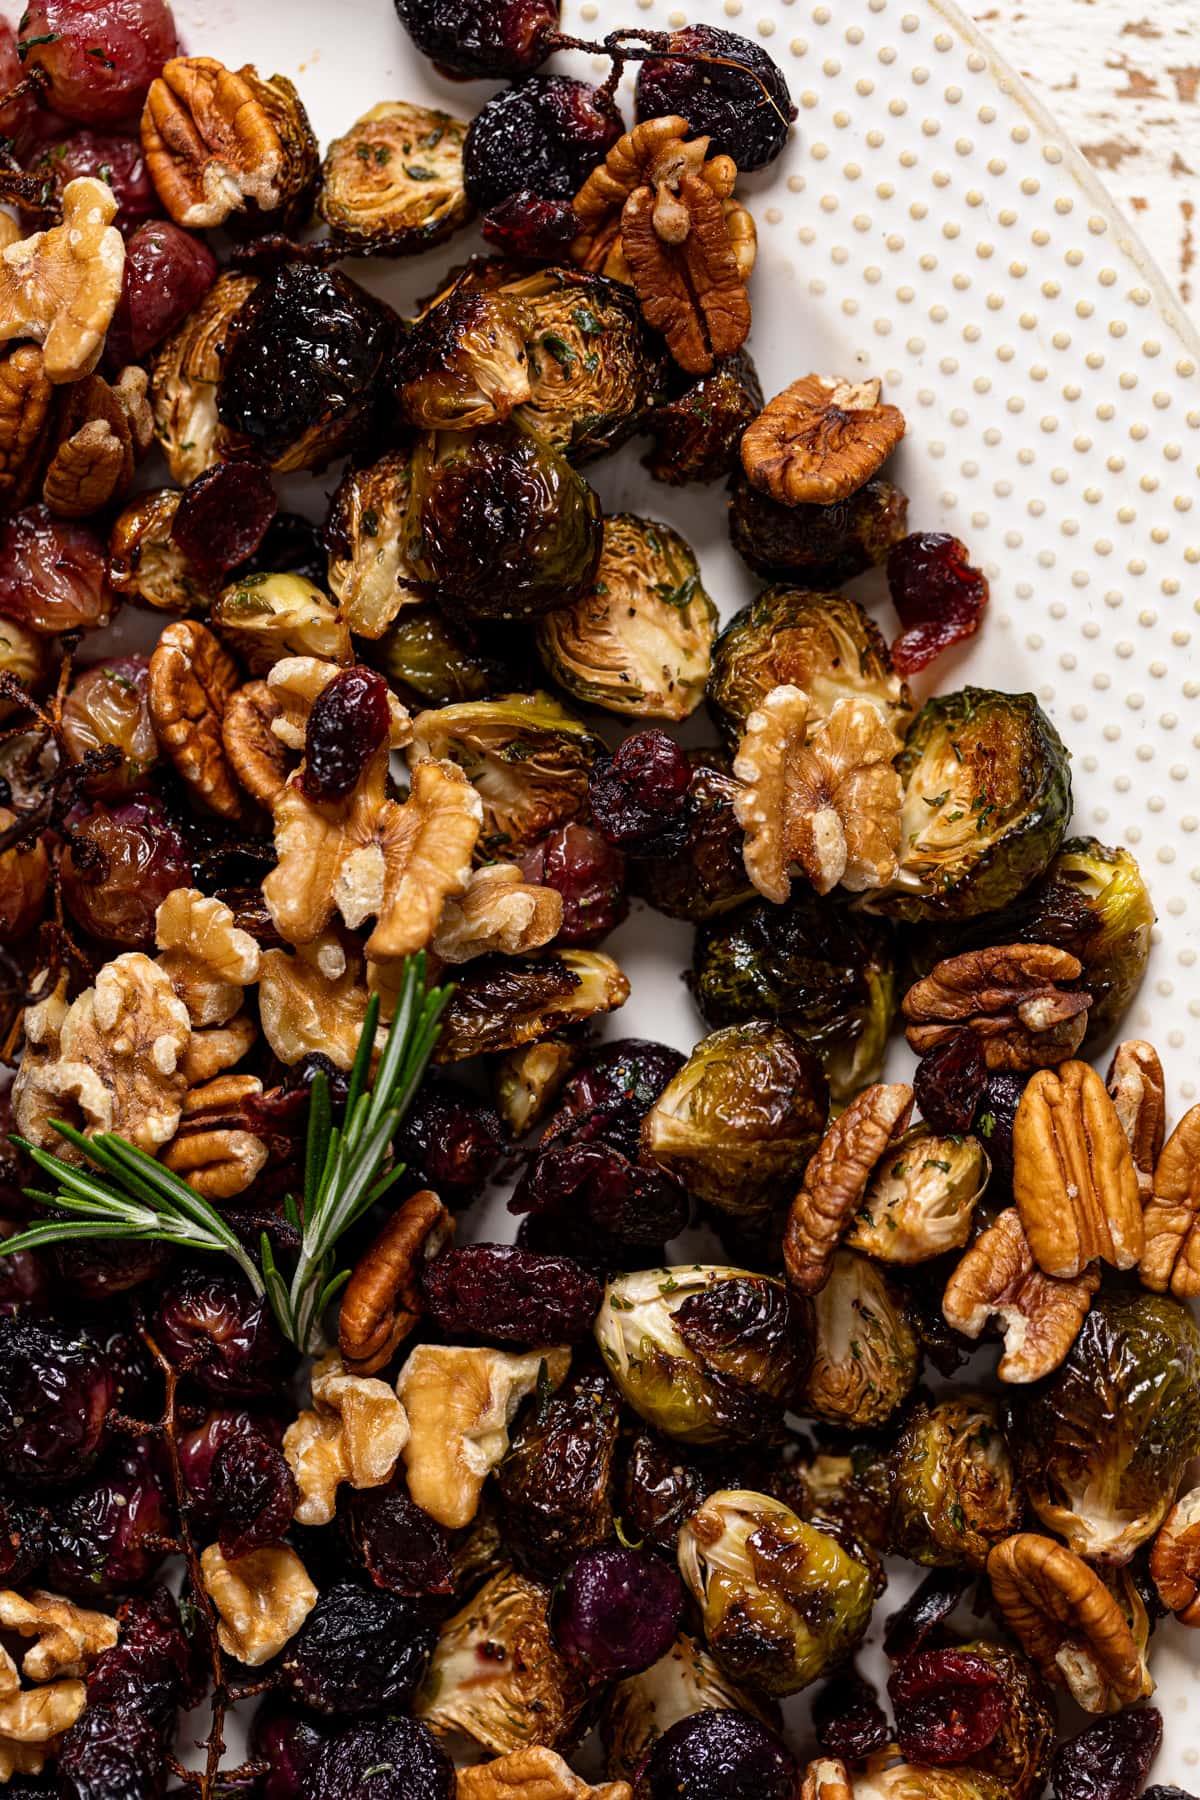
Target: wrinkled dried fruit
[(939, 595), (1110, 1760), (924, 1612), (223, 517), (509, 1296), (949, 1083), (349, 720), (848, 1719), (639, 796), (948, 1705)]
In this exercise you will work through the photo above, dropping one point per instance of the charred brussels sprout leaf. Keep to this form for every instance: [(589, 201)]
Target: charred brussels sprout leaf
[(742, 1118), (393, 184), (369, 576), (956, 1490), (921, 1199), (707, 1354), (265, 617), (304, 366), (847, 1493), (987, 797), (501, 522), (527, 756), (640, 641), (501, 1002), (554, 1482), (184, 377), (781, 1601), (823, 972), (463, 364), (643, 1708), (823, 643), (698, 433), (865, 1351), (1019, 1754), (824, 545), (1103, 1442), (434, 663)]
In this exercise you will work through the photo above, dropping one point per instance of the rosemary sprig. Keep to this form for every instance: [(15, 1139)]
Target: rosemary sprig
[(125, 1194)]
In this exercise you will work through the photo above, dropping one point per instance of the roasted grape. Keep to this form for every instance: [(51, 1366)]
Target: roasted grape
[(589, 873), (509, 1296), (360, 1650), (546, 134), (97, 57), (53, 573), (727, 88), (108, 704), (56, 1387), (167, 272), (616, 1611), (211, 1323), (488, 38), (120, 864), (108, 1537), (112, 157)]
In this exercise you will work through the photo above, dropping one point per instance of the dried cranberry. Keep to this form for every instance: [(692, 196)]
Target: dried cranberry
[(588, 873), (210, 1322), (56, 1387), (1110, 1760), (23, 1538), (112, 157), (924, 1612), (996, 1116), (360, 1650), (554, 1483), (288, 1742), (949, 1081), (547, 134), (720, 1755), (606, 1101), (639, 796), (450, 1141), (223, 516), (948, 1705), (727, 88), (489, 38), (253, 1492), (97, 57), (119, 866), (939, 596), (109, 704), (596, 1201), (510, 1296), (347, 724), (615, 1612), (167, 271), (53, 573), (399, 1545), (848, 1719), (96, 1269), (529, 227), (110, 1753)]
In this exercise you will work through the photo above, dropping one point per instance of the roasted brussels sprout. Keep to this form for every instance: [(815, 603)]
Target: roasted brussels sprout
[(369, 576), (463, 364), (781, 1601), (144, 561), (1102, 1442), (1019, 1754), (526, 754), (643, 1708), (847, 1492), (888, 1776), (554, 1483), (501, 522), (865, 1351), (264, 617), (987, 797), (432, 662), (823, 545), (707, 1354), (184, 377), (708, 875), (823, 972), (956, 1490), (393, 185), (821, 642), (921, 1199), (640, 641), (742, 1118), (697, 433), (501, 1002), (304, 366)]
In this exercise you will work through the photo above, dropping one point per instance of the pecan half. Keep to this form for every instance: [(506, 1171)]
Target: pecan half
[(100, 434), (382, 1300), (826, 1779), (252, 750), (1013, 997), (1170, 1260), (1073, 1177), (837, 1177), (192, 677), (820, 440), (213, 1150), (533, 1774), (1039, 1316), (61, 287), (1068, 1622), (1175, 1559), (1137, 1088)]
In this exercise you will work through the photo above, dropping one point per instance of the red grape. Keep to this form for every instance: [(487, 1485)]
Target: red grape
[(111, 156), (167, 271), (15, 118), (53, 573), (97, 57)]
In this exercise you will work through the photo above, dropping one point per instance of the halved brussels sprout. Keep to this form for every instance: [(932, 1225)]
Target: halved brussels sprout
[(501, 522), (742, 1117), (526, 754), (823, 643), (435, 663), (847, 1493), (526, 1082), (464, 363), (921, 1199), (264, 617), (705, 1353), (145, 562), (888, 1776), (697, 434), (1103, 1441), (393, 184), (640, 642), (502, 1002), (644, 1707), (865, 1352), (708, 876), (956, 1491), (185, 374), (369, 575), (823, 545), (987, 798), (781, 1601), (1019, 1755), (825, 973)]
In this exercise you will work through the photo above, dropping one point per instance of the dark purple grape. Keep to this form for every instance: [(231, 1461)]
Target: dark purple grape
[(606, 1101), (26, 1282), (639, 796), (111, 1754), (1109, 1760), (616, 1612), (198, 1450), (120, 864), (924, 1612), (137, 1381), (396, 1541), (149, 1670), (510, 1296), (20, 118), (530, 228), (715, 1755), (996, 1116), (360, 1650), (167, 272), (848, 1719), (253, 1492), (660, 1489), (223, 515), (97, 57), (948, 1705), (108, 1537), (488, 38), (24, 1527), (1167, 1793), (112, 157), (554, 1483), (96, 1270), (56, 1387), (727, 88), (589, 873), (949, 1081), (595, 1202), (547, 134), (210, 1322), (289, 1742), (348, 722), (450, 1141)]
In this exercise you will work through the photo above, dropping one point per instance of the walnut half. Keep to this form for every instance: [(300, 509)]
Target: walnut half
[(61, 287), (354, 1433), (533, 1774), (262, 1600)]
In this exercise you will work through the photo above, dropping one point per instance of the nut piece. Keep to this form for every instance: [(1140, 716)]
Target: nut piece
[(501, 912), (252, 750), (355, 1432), (208, 960), (212, 1149), (381, 1303), (837, 1178), (1170, 1260), (61, 287), (831, 805), (1175, 1559), (262, 1600), (313, 1001), (69, 1638), (533, 1774), (820, 440), (217, 1048), (1039, 1316), (26, 393), (192, 677), (368, 856), (36, 1717), (217, 140), (100, 434), (826, 1779), (1068, 1621), (184, 378), (1137, 1088), (1073, 1177), (460, 1403), (1011, 997)]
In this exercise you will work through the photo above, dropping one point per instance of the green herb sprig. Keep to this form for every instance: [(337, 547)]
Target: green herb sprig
[(125, 1195)]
